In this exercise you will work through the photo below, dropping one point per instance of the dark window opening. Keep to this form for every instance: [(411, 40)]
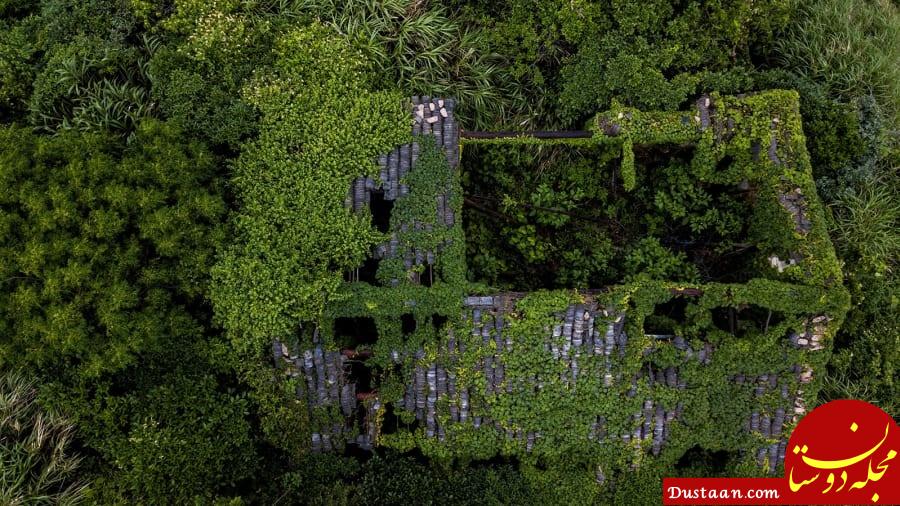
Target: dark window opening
[(700, 460), (361, 375), (666, 317), (762, 318), (391, 422), (427, 277), (408, 323), (361, 417), (724, 164), (366, 273), (353, 332), (438, 320), (746, 319), (357, 452), (381, 211), (724, 319)]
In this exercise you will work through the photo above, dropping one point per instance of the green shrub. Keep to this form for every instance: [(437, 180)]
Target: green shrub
[(197, 78), (105, 255), (16, 8), (172, 438), (398, 479), (39, 466), (295, 237), (319, 129), (558, 216), (101, 253), (869, 367), (204, 98), (16, 70), (64, 20), (654, 56)]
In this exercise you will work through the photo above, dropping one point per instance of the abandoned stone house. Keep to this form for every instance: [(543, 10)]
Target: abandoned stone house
[(589, 338)]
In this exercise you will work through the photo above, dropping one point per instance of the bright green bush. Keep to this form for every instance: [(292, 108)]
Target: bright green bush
[(105, 254), (319, 130), (101, 253), (39, 465)]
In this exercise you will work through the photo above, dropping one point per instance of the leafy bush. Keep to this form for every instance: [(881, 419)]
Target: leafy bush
[(295, 237), (100, 253), (869, 367), (396, 479), (319, 129), (203, 98), (577, 56), (553, 216), (64, 20), (39, 466), (16, 71), (172, 437), (197, 78), (105, 255)]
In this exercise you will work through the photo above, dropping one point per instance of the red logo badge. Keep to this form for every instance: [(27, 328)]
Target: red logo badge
[(843, 452)]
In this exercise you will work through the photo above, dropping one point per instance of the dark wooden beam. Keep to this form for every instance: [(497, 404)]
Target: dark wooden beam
[(691, 292), (537, 134)]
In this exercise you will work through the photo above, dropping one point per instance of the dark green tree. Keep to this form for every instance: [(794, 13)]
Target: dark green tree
[(105, 254)]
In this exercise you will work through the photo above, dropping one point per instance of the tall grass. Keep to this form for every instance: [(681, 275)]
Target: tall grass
[(36, 466), (416, 45), (851, 46), (867, 222)]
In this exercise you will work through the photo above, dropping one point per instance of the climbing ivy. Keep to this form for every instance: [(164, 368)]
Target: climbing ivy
[(319, 129)]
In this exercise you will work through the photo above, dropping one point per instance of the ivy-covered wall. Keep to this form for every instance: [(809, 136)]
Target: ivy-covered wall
[(587, 383)]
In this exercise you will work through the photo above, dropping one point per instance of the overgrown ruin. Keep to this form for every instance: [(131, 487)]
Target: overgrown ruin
[(411, 355)]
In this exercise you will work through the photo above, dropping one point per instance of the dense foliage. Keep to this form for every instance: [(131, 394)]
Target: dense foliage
[(173, 172)]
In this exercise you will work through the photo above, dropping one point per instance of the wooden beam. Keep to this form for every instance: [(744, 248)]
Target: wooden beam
[(692, 292), (537, 134)]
